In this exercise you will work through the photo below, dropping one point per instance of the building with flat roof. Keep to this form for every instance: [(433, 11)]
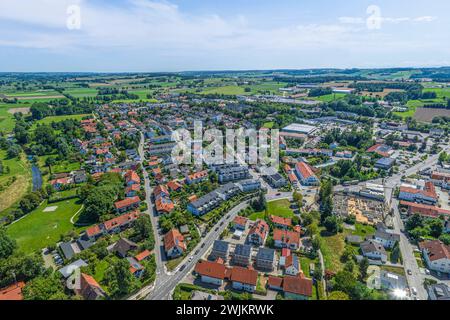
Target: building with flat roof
[(300, 128)]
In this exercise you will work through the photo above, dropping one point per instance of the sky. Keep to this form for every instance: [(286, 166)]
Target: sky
[(185, 35)]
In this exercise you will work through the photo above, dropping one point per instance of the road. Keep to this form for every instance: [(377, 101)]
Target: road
[(163, 289)]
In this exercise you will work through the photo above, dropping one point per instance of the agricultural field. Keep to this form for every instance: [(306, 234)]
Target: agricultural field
[(15, 182), (49, 120), (427, 114), (81, 92), (45, 225), (329, 97)]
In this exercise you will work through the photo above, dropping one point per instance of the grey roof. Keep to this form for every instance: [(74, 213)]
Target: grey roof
[(67, 249), (221, 246), (212, 196), (70, 268), (439, 291), (386, 235), (243, 250), (83, 244), (265, 254), (277, 177), (372, 246), (353, 239), (123, 246), (385, 161), (227, 188), (248, 182)]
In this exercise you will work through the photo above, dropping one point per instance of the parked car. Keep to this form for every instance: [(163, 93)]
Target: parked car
[(409, 272), (414, 291)]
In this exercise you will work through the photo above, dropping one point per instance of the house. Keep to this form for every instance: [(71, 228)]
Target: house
[(211, 272), (122, 247), (164, 205), (239, 223), (265, 259), (12, 292), (249, 185), (227, 191), (275, 283), (439, 291), (89, 288), (436, 255), (136, 268), (242, 255), (231, 172), (292, 265), (58, 184), (276, 180), (373, 250), (305, 174), (386, 237), (427, 196), (174, 185), (120, 223), (381, 149), (424, 210), (258, 233), (280, 222), (132, 191), (174, 244), (143, 255), (297, 287), (204, 204), (68, 270), (385, 163), (79, 176), (197, 177), (286, 239), (221, 249), (244, 279), (69, 249), (127, 204)]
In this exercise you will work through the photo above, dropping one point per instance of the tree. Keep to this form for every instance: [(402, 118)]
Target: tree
[(45, 287), (143, 229), (331, 223), (100, 202), (445, 238), (338, 295), (13, 151), (120, 279), (363, 266), (7, 245)]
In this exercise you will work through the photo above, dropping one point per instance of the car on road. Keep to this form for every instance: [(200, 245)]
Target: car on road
[(216, 229), (182, 267), (196, 252), (221, 223), (190, 258), (202, 246), (278, 194), (409, 271), (413, 291)]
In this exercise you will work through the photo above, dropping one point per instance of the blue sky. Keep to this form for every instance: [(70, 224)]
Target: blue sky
[(178, 35)]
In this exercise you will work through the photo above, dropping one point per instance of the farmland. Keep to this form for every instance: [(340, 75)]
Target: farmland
[(427, 114)]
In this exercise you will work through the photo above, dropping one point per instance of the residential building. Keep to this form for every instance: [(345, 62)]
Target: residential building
[(373, 250), (90, 289), (249, 185), (428, 195), (122, 246), (12, 292), (242, 255), (197, 177), (276, 180), (265, 259), (436, 255), (174, 244), (305, 174), (385, 163), (280, 222), (439, 291), (286, 239), (239, 223), (297, 287), (386, 237), (211, 272), (392, 281), (244, 279), (127, 204), (204, 204), (231, 172), (258, 233), (221, 249), (227, 191), (292, 265), (425, 210)]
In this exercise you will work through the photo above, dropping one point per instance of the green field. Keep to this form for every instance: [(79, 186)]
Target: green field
[(11, 192), (49, 120), (330, 97), (81, 92), (279, 208), (37, 93), (40, 229), (412, 105), (7, 121)]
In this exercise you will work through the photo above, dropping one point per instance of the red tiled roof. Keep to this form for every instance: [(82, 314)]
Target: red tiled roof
[(285, 252), (143, 255), (174, 238), (132, 176), (304, 169), (435, 249), (120, 220), (13, 292), (198, 175), (240, 220), (260, 228), (424, 209), (160, 189), (440, 176), (164, 205), (174, 185), (429, 191), (286, 236), (211, 269), (297, 285), (244, 275), (94, 230), (281, 221), (275, 281), (126, 202)]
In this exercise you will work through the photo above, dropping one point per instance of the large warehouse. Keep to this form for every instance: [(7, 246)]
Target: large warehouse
[(299, 128)]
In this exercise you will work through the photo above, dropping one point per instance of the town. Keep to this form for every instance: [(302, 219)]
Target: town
[(94, 205)]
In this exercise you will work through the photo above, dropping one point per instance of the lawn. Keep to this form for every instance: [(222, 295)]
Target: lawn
[(11, 191), (332, 248), (65, 166), (279, 208), (40, 229), (7, 121), (412, 105), (330, 97), (268, 125), (397, 270), (173, 263), (49, 120)]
